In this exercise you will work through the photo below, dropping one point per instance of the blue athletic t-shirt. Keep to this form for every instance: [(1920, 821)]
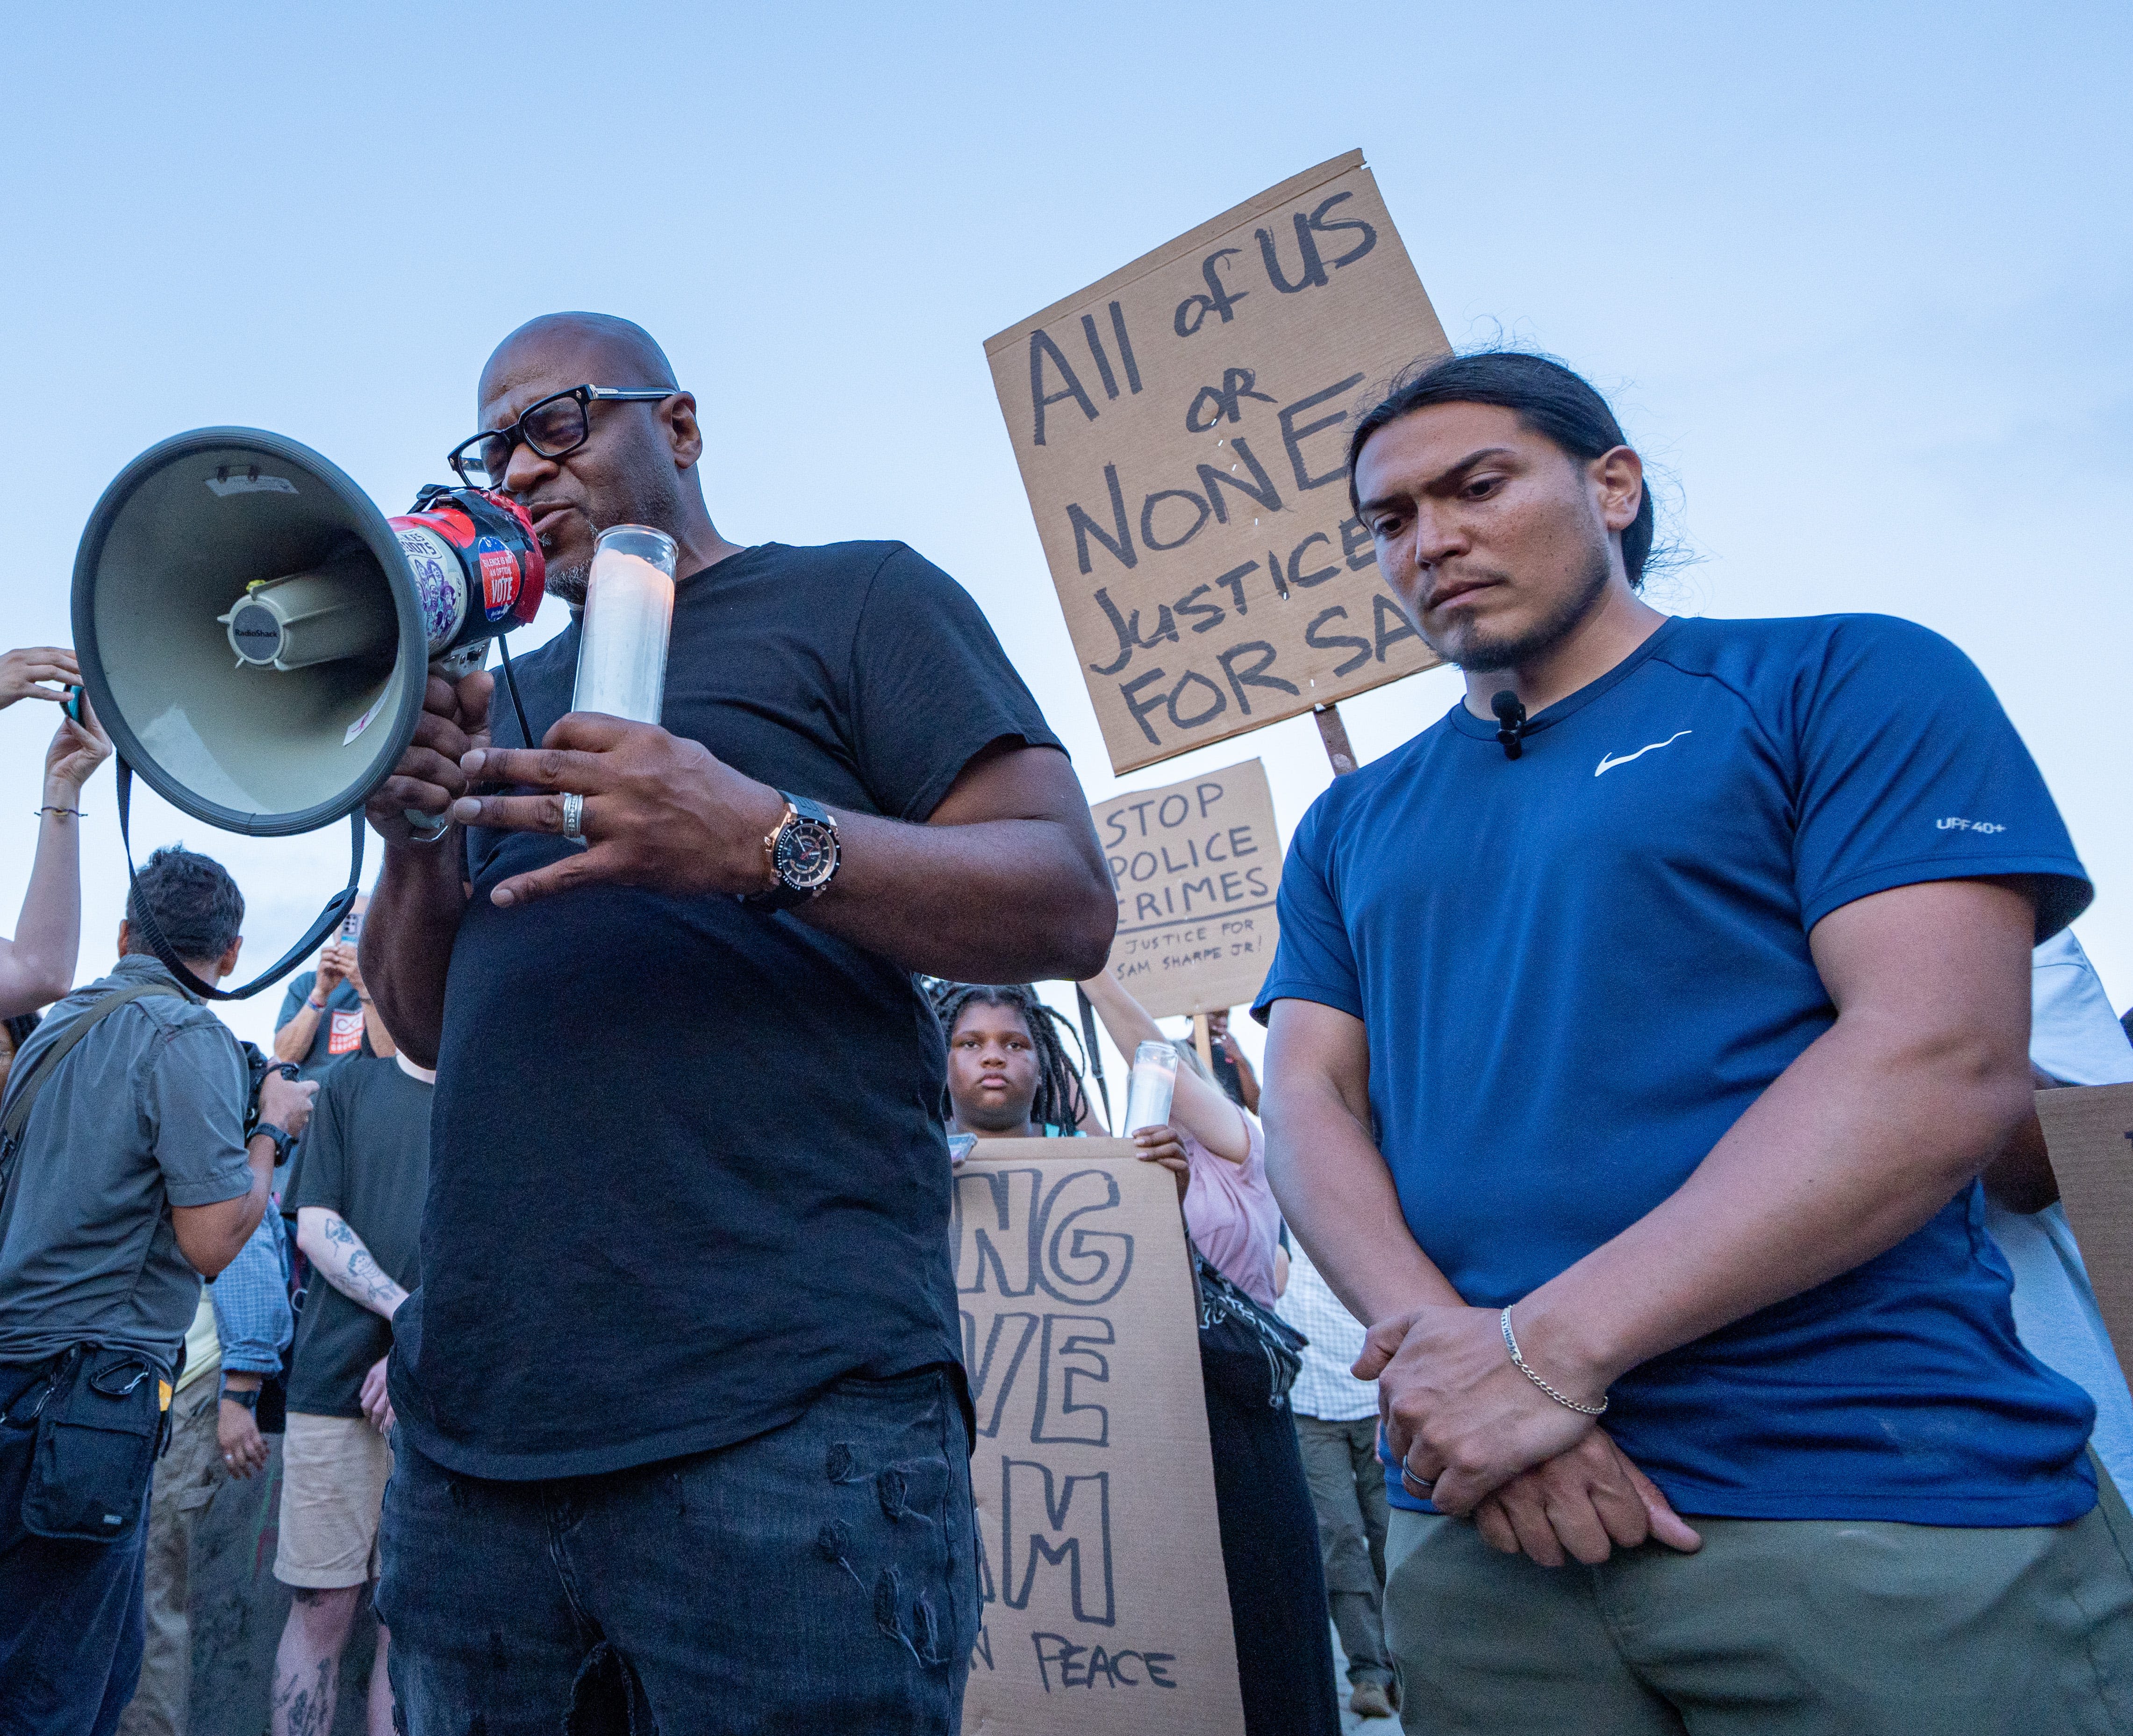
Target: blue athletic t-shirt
[(1577, 969)]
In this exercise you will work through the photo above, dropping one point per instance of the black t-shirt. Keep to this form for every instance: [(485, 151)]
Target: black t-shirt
[(341, 1034), (366, 1155), (688, 1169)]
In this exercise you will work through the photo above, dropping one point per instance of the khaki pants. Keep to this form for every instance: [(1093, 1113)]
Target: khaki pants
[(186, 1479), (1781, 1628), (1348, 1493)]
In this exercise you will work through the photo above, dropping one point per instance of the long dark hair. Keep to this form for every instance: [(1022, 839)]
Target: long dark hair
[(1060, 1101), (1547, 398)]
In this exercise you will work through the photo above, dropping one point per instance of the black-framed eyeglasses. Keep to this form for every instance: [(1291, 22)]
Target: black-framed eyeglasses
[(555, 424)]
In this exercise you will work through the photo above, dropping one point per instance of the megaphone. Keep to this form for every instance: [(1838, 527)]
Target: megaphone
[(257, 635)]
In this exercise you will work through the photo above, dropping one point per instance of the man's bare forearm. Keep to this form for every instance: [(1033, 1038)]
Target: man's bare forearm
[(211, 1235), (348, 1265), (293, 1041), (1002, 900), (406, 945)]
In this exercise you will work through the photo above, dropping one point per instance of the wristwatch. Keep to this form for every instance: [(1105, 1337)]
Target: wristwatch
[(283, 1140), (802, 855), (250, 1399)]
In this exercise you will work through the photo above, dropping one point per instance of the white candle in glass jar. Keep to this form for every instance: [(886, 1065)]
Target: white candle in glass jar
[(621, 652)]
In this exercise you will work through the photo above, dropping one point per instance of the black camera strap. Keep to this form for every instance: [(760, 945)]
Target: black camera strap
[(144, 919)]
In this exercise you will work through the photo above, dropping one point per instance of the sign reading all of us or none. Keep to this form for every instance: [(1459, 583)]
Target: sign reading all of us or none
[(1197, 866), (1181, 428)]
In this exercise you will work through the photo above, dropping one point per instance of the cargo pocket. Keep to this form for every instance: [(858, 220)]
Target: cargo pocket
[(95, 1452)]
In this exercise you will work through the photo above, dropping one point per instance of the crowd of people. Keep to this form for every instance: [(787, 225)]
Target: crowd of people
[(1644, 1306)]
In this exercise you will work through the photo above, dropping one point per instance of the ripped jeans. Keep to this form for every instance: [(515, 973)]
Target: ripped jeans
[(819, 1577)]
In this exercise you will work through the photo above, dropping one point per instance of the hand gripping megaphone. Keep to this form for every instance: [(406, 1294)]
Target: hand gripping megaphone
[(257, 635)]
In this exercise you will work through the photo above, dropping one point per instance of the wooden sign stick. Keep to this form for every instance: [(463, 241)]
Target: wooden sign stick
[(1334, 733)]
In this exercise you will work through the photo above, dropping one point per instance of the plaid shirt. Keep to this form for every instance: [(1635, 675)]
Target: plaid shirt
[(251, 1298), (1325, 1389)]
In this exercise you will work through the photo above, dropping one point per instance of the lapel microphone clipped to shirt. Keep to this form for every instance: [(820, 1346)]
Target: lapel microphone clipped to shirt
[(1510, 722)]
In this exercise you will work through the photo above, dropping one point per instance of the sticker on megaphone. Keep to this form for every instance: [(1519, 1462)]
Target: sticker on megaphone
[(471, 583)]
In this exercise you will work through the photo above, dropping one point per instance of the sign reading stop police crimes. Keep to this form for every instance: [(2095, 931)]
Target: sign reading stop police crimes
[(1182, 430), (1197, 866), (1102, 1600)]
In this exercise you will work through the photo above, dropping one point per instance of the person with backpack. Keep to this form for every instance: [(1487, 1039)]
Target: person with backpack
[(1270, 1553), (127, 1174)]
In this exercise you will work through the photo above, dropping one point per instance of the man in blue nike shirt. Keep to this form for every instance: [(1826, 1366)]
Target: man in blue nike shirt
[(1638, 1034)]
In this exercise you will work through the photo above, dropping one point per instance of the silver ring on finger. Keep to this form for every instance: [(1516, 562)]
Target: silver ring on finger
[(574, 817)]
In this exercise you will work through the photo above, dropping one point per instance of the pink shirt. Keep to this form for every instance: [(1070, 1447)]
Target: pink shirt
[(1231, 1215)]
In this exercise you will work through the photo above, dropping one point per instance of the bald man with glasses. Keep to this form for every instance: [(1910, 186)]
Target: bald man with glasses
[(683, 1433)]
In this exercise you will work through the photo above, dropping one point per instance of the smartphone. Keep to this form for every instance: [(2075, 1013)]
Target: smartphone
[(960, 1147), (73, 704), (351, 930)]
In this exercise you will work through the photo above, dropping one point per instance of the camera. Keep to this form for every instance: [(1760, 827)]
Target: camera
[(258, 1066)]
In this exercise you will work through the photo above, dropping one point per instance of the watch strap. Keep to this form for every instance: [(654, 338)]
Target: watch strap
[(239, 1396), (783, 895), (280, 1135)]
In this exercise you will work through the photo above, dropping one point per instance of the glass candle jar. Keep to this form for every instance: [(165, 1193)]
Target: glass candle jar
[(629, 607)]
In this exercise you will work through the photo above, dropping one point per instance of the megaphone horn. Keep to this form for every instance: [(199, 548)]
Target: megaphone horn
[(255, 634)]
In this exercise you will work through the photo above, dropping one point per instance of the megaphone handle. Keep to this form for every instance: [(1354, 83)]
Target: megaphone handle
[(329, 918), (432, 828)]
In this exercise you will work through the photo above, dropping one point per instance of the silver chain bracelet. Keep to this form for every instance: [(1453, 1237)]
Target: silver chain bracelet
[(1518, 1362)]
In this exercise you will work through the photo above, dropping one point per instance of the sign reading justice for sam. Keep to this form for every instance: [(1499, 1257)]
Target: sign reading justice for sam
[(1182, 431), (1197, 865)]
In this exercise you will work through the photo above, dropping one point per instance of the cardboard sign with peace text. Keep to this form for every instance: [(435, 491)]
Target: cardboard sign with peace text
[(1182, 431), (1099, 1558), (1197, 865)]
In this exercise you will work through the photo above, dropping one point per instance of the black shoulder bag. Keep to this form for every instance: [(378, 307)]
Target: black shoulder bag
[(100, 1412), (1232, 1321)]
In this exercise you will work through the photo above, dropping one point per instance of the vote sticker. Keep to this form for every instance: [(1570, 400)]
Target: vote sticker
[(499, 577)]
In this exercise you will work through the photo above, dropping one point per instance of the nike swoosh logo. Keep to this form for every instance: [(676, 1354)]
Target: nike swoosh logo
[(1608, 761)]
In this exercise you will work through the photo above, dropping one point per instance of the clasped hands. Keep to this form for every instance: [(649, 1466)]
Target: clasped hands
[(1478, 1439), (658, 810)]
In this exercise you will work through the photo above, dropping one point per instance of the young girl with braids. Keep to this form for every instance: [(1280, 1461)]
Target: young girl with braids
[(1008, 1076)]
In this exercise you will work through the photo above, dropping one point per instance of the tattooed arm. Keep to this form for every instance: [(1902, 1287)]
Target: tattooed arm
[(340, 1255)]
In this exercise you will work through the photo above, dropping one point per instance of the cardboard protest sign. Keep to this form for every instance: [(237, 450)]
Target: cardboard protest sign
[(1180, 428), (2089, 1131), (1197, 865), (1099, 1558)]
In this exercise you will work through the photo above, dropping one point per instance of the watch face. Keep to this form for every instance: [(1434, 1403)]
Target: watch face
[(806, 854)]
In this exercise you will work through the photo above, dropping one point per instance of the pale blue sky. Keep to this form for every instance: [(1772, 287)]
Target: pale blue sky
[(1856, 276)]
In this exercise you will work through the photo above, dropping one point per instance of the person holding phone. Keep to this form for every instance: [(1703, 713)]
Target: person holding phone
[(1270, 1554), (36, 965), (327, 1017)]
